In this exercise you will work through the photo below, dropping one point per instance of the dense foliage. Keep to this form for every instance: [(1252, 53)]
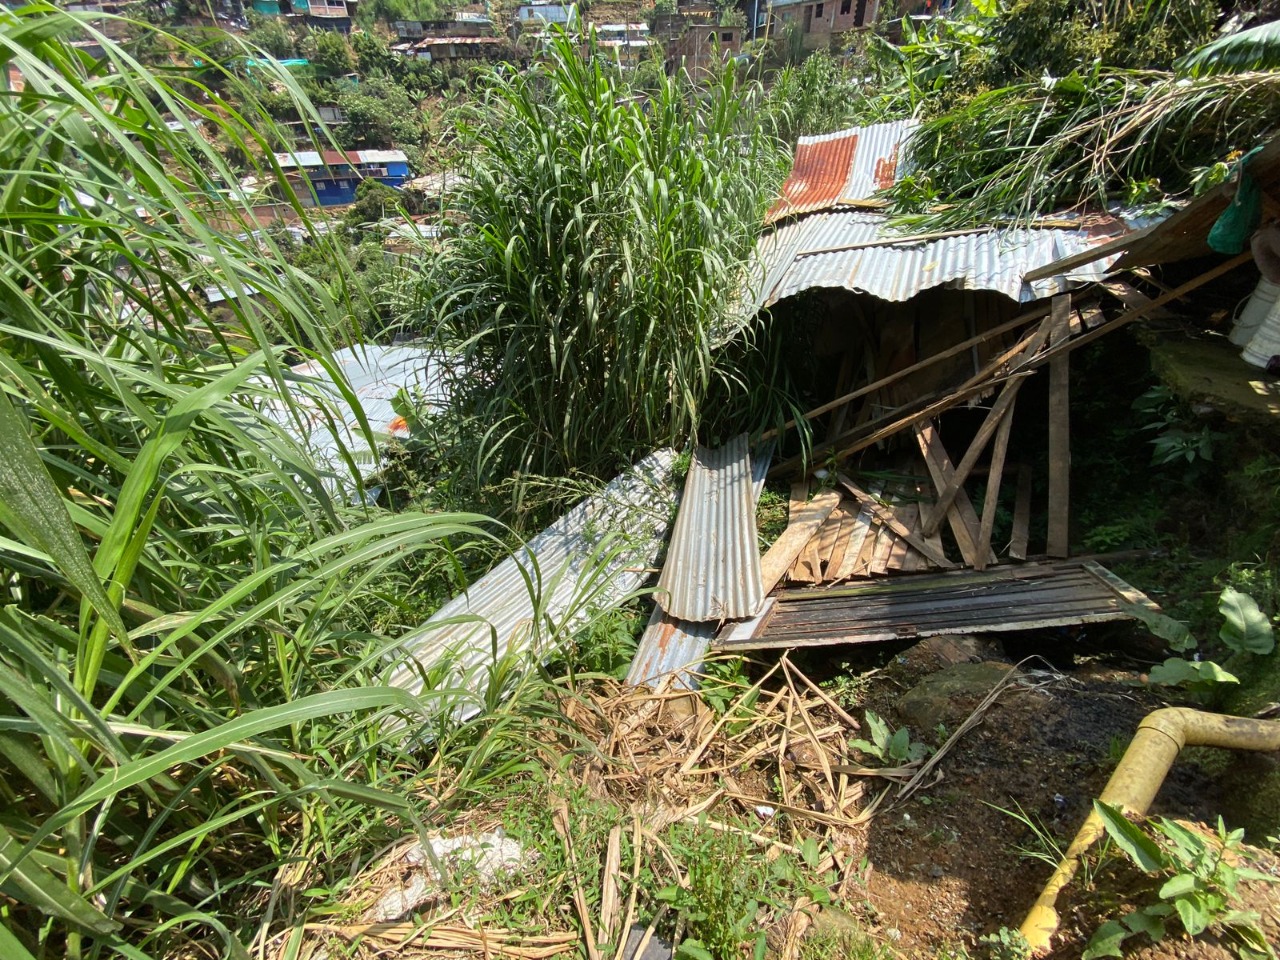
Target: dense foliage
[(598, 292), (195, 628)]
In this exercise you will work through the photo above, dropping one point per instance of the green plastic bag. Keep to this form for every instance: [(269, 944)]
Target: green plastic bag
[(1235, 225)]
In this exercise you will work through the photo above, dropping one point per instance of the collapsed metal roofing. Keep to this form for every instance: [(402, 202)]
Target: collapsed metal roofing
[(323, 420), (712, 570), (589, 560), (824, 243), (858, 251), (843, 168)]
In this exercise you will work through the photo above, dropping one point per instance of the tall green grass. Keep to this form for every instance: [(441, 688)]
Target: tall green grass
[(193, 746), (598, 290)]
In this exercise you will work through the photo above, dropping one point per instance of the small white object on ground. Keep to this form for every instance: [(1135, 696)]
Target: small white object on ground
[(486, 857)]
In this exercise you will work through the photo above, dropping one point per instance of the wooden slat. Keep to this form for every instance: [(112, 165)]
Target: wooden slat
[(825, 541), (884, 547), (803, 524), (835, 560), (1059, 435), (992, 499), (888, 519), (908, 513), (961, 517), (1021, 515), (862, 525), (862, 568)]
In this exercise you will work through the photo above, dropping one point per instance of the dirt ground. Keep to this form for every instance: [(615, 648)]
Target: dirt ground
[(944, 868)]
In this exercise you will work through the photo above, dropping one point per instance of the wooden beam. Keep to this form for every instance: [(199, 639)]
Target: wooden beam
[(862, 525), (1057, 542), (1021, 515), (992, 498), (800, 530), (886, 516), (1092, 255), (1019, 321), (962, 517), (996, 416)]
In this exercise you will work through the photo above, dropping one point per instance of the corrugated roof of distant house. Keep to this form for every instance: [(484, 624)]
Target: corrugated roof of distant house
[(461, 41), (857, 251), (309, 159), (843, 168)]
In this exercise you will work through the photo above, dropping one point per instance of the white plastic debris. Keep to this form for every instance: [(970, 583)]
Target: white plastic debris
[(485, 857)]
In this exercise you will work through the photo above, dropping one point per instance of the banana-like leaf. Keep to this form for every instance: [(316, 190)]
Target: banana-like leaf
[(1257, 48)]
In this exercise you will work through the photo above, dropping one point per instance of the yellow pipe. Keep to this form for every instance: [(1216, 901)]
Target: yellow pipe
[(1135, 783)]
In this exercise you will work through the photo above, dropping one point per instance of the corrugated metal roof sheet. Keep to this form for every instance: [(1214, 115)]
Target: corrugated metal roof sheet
[(864, 256), (375, 374), (310, 159), (591, 559), (838, 169), (713, 565), (675, 648)]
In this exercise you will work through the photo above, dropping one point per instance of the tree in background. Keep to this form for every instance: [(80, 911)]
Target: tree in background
[(329, 55), (271, 34)]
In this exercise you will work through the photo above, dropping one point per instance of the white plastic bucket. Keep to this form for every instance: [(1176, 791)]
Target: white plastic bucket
[(1265, 342), (1262, 302)]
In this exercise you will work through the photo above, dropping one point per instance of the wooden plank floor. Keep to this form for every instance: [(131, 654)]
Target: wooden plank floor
[(1023, 597)]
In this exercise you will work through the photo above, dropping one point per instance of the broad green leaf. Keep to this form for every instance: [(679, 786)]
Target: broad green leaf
[(1106, 941), (1246, 628), (34, 885), (1173, 632), (1144, 921), (31, 504), (1130, 838), (1194, 915), (1178, 886), (1176, 672)]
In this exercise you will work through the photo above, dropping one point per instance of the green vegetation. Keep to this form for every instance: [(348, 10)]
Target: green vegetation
[(1198, 877), (598, 294)]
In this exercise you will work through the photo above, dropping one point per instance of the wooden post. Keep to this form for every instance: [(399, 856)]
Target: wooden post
[(1021, 515), (1059, 433), (992, 498)]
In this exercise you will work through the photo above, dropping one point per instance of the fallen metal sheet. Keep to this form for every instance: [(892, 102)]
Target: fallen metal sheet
[(675, 648), (712, 570), (845, 167), (589, 560), (858, 251), (324, 422), (1024, 597)]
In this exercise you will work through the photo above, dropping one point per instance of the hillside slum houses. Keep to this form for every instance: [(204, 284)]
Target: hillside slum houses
[(934, 352)]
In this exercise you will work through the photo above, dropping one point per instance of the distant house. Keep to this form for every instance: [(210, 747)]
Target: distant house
[(819, 22), (628, 42), (702, 46), (334, 176), (538, 14), (446, 50), (321, 14)]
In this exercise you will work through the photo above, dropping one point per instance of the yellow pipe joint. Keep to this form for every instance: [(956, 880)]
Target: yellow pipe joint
[(1135, 783)]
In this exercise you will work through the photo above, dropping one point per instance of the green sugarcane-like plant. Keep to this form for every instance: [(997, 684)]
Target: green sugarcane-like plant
[(194, 628)]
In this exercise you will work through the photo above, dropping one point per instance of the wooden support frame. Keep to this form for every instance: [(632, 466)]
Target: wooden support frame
[(992, 498), (961, 516), (1021, 515), (1000, 411), (1058, 540)]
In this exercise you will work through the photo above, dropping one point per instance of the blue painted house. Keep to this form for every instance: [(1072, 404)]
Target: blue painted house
[(335, 175)]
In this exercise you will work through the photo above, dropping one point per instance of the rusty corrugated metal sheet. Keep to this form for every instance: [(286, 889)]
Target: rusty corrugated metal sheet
[(675, 648), (856, 250), (713, 564), (591, 559), (838, 169)]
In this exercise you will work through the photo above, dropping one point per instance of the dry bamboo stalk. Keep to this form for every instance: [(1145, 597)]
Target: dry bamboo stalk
[(609, 886), (821, 694), (636, 859), (693, 757), (560, 818), (808, 723)]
